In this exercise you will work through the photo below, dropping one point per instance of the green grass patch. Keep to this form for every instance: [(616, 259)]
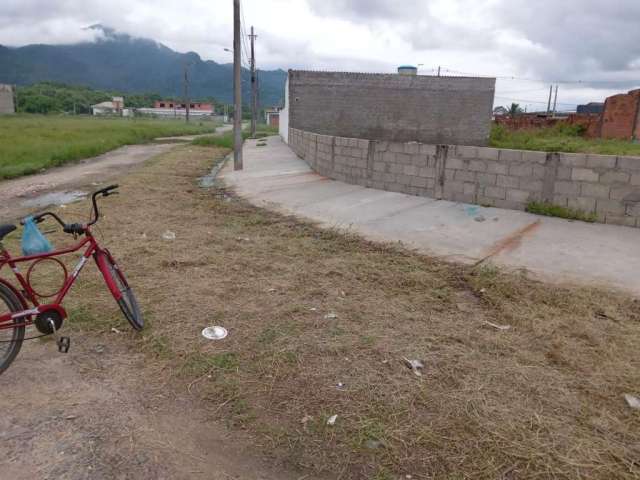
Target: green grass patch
[(263, 131), (198, 363), (30, 143), (222, 141), (551, 210), (226, 140), (560, 138)]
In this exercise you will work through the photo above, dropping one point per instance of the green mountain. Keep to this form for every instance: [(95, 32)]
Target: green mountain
[(120, 62)]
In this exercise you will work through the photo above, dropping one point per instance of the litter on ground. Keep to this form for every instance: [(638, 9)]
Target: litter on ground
[(632, 400), (496, 326), (414, 365)]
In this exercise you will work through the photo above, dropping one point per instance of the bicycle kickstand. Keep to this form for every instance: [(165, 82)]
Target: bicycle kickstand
[(62, 342)]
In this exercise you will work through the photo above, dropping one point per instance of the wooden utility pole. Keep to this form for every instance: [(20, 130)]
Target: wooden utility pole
[(254, 86), (258, 94), (549, 102), (555, 101), (237, 89), (186, 92)]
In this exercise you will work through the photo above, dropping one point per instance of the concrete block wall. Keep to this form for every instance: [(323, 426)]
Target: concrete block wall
[(399, 108), (608, 186)]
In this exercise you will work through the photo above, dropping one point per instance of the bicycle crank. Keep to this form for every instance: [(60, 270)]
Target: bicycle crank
[(49, 322), (63, 343)]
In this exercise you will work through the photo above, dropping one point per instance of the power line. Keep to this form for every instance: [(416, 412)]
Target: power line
[(532, 101), (244, 37), (525, 91), (524, 79)]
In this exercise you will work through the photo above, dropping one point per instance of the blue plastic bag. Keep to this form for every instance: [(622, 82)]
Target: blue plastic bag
[(33, 241)]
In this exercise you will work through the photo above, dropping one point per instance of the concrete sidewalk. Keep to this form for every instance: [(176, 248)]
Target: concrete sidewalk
[(550, 248)]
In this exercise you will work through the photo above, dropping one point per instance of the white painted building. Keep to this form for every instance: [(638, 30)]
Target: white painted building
[(7, 104), (284, 114), (174, 112), (114, 107)]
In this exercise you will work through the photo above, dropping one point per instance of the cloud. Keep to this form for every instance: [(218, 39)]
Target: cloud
[(366, 10), (543, 39), (575, 38)]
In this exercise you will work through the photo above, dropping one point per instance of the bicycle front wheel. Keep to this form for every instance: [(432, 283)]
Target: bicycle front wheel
[(10, 338), (120, 289)]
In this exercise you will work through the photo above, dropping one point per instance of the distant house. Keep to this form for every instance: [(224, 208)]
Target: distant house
[(500, 111), (272, 116), (7, 104), (181, 105), (114, 107), (174, 108), (592, 107)]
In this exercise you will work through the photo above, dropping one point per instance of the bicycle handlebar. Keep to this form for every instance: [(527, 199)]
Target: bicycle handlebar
[(105, 192)]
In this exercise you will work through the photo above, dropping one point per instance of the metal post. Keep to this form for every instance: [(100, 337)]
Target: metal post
[(237, 90), (186, 91)]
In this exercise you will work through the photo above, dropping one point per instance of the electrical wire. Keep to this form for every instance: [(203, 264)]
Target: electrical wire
[(243, 37), (537, 80), (533, 101)]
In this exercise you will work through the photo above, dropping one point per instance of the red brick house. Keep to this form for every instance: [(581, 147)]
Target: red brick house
[(207, 107)]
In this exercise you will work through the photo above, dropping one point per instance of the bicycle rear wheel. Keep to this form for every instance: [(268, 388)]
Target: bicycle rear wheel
[(11, 338), (120, 289)]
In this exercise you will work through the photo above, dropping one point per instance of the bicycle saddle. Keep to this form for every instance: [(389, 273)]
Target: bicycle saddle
[(6, 230)]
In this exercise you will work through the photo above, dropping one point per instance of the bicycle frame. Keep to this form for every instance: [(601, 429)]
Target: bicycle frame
[(8, 320)]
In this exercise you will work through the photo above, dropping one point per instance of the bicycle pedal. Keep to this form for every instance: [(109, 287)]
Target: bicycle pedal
[(63, 344)]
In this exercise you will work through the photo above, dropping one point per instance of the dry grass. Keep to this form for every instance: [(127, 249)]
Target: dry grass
[(540, 400)]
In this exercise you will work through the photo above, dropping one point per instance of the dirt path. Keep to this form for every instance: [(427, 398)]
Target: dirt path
[(85, 416), (103, 411), (25, 194)]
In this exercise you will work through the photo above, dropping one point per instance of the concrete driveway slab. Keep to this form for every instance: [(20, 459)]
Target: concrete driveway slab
[(550, 248)]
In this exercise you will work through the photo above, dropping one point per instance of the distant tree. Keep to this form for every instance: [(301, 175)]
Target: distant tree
[(54, 97), (514, 109)]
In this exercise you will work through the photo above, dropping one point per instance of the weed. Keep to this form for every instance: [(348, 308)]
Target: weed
[(158, 345), (559, 138), (551, 210), (197, 363), (87, 320), (383, 474), (225, 140)]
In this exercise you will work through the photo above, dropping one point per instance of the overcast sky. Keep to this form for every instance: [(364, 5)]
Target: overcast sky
[(591, 48)]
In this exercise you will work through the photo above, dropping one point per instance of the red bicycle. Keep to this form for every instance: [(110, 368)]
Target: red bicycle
[(15, 312)]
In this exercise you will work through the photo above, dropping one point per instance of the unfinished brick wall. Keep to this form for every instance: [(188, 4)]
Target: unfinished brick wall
[(620, 116), (608, 186)]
